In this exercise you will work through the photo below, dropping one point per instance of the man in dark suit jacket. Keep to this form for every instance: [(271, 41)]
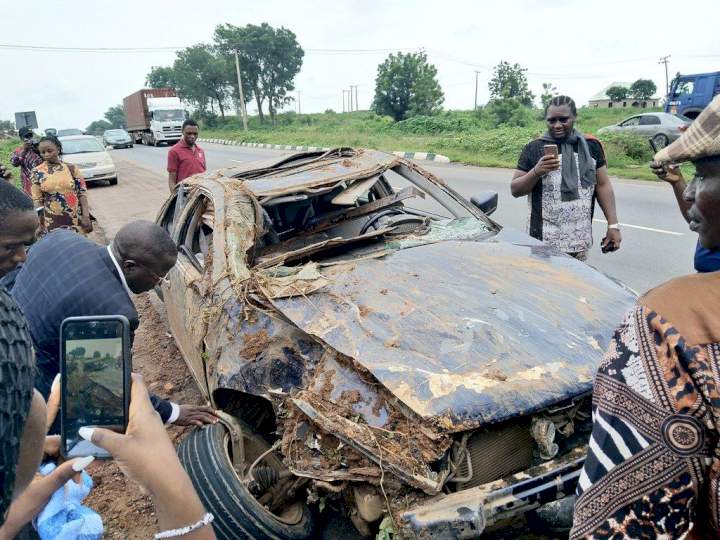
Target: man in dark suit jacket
[(66, 275)]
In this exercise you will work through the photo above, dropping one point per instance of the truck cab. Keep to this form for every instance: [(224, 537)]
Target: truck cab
[(690, 94), (166, 116)]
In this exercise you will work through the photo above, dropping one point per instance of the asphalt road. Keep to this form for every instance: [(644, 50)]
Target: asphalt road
[(657, 244)]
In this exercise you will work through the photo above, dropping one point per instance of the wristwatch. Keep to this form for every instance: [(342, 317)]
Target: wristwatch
[(614, 226)]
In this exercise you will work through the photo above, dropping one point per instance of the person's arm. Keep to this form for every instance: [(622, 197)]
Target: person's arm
[(81, 191), (606, 199), (38, 197), (524, 182), (16, 157), (172, 181), (673, 176), (146, 455), (172, 168)]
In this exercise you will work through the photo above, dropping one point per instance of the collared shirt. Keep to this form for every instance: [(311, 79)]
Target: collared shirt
[(185, 160), (175, 407), (706, 260)]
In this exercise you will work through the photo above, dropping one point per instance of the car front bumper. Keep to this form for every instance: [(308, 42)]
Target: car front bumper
[(99, 173), (467, 513)]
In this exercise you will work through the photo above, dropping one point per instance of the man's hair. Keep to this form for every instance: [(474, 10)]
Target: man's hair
[(189, 122), (144, 240), (54, 140), (17, 378), (12, 201), (559, 101)]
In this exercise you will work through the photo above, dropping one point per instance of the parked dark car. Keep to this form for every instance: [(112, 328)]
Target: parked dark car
[(662, 128), (117, 138), (374, 339)]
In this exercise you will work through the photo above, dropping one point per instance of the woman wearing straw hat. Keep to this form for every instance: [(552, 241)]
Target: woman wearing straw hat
[(653, 464)]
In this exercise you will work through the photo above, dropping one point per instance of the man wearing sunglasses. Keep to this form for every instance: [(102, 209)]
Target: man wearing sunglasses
[(27, 157), (67, 275)]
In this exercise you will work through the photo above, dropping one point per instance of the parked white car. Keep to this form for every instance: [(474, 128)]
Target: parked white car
[(90, 156)]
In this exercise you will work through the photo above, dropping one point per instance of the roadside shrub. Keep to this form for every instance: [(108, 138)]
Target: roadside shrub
[(633, 146), (433, 125), (509, 112)]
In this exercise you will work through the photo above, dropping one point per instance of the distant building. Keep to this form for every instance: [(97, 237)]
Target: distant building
[(602, 100)]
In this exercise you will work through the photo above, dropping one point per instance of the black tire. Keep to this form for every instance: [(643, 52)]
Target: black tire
[(661, 141), (206, 458), (113, 181)]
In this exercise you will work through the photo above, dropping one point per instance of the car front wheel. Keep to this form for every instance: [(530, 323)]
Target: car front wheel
[(660, 140), (113, 181), (261, 508)]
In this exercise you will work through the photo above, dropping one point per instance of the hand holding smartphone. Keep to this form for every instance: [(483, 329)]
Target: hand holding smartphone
[(549, 162), (95, 372)]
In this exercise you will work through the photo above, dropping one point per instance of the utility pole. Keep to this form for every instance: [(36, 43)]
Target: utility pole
[(664, 60), (240, 91), (350, 102), (298, 95), (476, 88), (343, 94), (357, 107)]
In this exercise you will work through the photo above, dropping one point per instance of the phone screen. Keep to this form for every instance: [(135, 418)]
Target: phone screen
[(94, 380)]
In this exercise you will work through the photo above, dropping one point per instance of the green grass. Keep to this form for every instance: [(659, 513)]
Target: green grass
[(463, 136), (6, 148)]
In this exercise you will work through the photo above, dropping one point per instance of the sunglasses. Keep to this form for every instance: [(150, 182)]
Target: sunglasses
[(556, 119)]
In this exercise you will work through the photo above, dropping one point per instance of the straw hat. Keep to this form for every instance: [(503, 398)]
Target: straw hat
[(701, 139)]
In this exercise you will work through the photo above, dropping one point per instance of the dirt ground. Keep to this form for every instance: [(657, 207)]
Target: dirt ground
[(126, 512)]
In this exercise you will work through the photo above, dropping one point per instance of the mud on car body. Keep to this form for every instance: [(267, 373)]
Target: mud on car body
[(376, 340)]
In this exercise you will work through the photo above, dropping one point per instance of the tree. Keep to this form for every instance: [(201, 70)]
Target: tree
[(617, 93), (406, 85), (98, 127), (270, 59), (7, 125), (509, 81), (161, 77), (549, 92), (116, 116), (201, 77), (643, 89)]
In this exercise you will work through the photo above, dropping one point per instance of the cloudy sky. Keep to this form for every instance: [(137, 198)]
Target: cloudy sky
[(580, 46)]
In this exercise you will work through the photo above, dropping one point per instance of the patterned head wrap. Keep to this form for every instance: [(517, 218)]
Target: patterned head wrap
[(17, 376), (701, 139)]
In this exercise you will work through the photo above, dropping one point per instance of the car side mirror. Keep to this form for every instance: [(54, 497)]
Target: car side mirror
[(486, 201)]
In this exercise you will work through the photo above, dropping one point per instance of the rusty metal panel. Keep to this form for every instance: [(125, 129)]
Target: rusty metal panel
[(468, 333)]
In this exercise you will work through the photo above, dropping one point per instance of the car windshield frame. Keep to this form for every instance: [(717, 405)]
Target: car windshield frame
[(81, 146), (68, 132), (116, 133)]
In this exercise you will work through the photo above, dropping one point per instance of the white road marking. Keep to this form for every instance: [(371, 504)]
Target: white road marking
[(661, 231)]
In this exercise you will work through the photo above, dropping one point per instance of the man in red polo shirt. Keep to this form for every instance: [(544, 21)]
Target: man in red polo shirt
[(185, 158)]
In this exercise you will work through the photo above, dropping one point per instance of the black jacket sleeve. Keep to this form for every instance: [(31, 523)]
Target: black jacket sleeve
[(162, 406)]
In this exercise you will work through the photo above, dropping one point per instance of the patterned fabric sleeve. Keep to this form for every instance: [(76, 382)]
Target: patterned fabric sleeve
[(651, 470), (15, 158), (80, 185), (36, 191)]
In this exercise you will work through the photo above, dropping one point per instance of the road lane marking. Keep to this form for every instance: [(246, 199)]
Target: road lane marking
[(651, 229)]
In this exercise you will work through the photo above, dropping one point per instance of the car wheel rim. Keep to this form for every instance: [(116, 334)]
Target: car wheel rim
[(660, 141), (291, 512)]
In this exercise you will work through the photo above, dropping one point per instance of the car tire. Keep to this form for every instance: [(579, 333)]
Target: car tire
[(113, 181), (660, 140), (205, 454)]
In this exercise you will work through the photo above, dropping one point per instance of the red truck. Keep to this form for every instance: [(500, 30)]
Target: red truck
[(154, 116)]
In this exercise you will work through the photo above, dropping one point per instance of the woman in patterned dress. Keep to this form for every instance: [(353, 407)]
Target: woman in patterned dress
[(59, 190)]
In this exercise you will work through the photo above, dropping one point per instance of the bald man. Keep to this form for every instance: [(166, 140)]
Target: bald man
[(67, 275)]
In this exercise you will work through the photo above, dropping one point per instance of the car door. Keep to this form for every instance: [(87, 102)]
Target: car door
[(648, 125), (630, 125), (187, 293)]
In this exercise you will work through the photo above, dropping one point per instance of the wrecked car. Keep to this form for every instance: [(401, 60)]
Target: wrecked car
[(375, 341)]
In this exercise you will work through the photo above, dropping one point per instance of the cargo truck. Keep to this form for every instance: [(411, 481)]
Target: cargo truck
[(154, 116), (690, 94)]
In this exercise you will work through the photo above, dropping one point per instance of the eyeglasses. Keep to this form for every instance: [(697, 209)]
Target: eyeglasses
[(158, 278), (556, 119)]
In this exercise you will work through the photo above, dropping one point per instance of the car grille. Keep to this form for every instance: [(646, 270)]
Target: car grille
[(498, 451), (177, 129), (86, 165)]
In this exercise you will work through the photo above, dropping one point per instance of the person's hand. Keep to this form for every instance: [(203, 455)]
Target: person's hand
[(547, 164), (144, 452), (27, 143), (611, 242), (670, 173), (196, 415), (86, 224), (38, 493), (4, 173)]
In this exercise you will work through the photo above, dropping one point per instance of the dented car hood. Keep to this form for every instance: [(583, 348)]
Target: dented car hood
[(467, 333)]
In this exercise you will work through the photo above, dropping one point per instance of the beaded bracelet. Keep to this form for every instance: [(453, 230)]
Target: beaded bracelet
[(174, 533)]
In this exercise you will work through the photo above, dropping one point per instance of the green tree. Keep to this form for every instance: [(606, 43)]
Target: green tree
[(549, 92), (509, 81), (161, 77), (617, 93), (643, 89), (270, 59), (98, 127), (7, 125), (201, 77), (116, 116), (406, 85)]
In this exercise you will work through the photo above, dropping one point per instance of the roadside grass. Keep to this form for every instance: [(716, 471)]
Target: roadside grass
[(463, 136), (6, 149)]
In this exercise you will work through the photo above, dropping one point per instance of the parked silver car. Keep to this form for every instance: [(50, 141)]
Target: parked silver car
[(117, 138), (662, 128)]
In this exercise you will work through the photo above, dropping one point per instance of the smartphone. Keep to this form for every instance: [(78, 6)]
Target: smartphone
[(550, 150), (95, 367)]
